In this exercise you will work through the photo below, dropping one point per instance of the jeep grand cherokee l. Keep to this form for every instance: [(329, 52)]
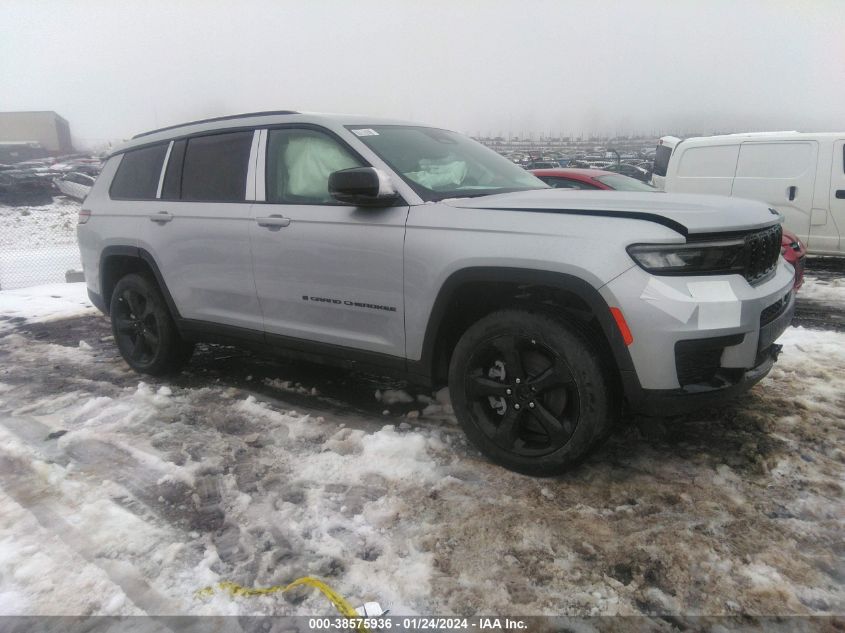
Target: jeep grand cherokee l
[(418, 252)]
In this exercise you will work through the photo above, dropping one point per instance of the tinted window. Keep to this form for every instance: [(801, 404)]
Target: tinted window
[(138, 173), (172, 187), (299, 163), (661, 160), (215, 167)]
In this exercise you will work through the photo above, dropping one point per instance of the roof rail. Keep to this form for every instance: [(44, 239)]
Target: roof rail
[(218, 118)]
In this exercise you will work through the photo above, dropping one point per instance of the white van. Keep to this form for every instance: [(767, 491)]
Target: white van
[(802, 175)]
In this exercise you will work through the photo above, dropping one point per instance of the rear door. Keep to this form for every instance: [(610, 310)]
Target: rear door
[(197, 229), (325, 272), (782, 174), (833, 239)]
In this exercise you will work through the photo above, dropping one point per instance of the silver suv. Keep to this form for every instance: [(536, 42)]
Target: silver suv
[(416, 251)]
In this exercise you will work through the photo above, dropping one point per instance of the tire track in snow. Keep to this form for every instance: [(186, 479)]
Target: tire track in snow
[(49, 508)]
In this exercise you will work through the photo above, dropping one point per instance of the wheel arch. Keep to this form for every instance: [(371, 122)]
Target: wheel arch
[(457, 306), (117, 260)]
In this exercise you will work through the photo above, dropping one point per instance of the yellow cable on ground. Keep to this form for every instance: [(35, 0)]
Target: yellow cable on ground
[(339, 602)]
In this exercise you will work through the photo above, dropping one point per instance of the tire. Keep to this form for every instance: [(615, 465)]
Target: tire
[(531, 392), (144, 329)]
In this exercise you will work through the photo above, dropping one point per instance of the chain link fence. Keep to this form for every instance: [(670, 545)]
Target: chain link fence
[(38, 244)]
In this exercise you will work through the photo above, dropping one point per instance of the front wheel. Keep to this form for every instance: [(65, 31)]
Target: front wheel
[(530, 391), (143, 328)]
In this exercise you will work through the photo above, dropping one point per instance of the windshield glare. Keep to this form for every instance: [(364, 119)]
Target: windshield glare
[(439, 164)]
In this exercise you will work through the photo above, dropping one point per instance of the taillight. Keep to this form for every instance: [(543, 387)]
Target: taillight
[(84, 216)]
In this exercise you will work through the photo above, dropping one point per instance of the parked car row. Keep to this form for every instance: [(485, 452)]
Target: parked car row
[(35, 182)]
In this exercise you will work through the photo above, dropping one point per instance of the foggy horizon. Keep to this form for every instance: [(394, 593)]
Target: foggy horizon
[(491, 69)]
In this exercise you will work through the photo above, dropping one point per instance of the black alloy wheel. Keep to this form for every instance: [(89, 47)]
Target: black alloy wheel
[(531, 390)]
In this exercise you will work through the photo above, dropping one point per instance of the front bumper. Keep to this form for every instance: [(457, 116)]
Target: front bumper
[(726, 385), (698, 339)]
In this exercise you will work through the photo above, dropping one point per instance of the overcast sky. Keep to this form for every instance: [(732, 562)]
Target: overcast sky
[(114, 68)]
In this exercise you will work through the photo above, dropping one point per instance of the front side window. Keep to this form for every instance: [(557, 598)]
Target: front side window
[(299, 163), (215, 167), (440, 164), (138, 173)]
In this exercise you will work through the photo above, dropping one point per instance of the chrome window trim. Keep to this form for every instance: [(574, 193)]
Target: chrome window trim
[(163, 170)]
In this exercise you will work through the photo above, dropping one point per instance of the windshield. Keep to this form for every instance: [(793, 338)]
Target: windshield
[(440, 164), (619, 182)]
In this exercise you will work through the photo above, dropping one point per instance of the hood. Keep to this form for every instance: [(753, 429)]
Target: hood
[(683, 212)]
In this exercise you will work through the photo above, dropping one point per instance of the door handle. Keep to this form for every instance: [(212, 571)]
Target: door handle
[(840, 194), (791, 192), (162, 217), (273, 221)]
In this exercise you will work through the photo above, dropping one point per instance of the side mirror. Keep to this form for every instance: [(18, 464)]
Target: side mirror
[(363, 187)]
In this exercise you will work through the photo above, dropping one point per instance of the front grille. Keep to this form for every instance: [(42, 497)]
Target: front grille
[(762, 250), (775, 310), (699, 360)]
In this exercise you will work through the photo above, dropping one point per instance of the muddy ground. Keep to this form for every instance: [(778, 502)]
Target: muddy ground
[(137, 492)]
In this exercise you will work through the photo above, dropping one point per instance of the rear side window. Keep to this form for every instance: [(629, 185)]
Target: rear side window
[(138, 173), (215, 167), (661, 160)]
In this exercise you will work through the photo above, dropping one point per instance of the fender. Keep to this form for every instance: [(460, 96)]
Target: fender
[(562, 281), (147, 258)]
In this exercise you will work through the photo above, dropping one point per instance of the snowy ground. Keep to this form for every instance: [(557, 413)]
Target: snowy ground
[(125, 495), (38, 244)]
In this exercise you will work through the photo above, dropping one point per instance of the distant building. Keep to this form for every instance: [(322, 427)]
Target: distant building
[(45, 128)]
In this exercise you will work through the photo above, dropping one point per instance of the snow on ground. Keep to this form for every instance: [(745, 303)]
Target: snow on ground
[(38, 244), (827, 290), (43, 303), (121, 494)]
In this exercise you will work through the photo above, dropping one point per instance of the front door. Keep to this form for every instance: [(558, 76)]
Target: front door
[(324, 271)]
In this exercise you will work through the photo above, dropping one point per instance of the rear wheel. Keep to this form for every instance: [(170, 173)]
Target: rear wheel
[(531, 392), (143, 328)]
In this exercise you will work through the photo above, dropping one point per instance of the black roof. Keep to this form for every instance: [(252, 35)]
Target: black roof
[(219, 118)]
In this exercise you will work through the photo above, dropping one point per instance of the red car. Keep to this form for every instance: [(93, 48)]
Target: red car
[(792, 248), (794, 252), (572, 178)]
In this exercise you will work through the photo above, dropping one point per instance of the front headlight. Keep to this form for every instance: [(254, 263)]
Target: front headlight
[(705, 258)]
